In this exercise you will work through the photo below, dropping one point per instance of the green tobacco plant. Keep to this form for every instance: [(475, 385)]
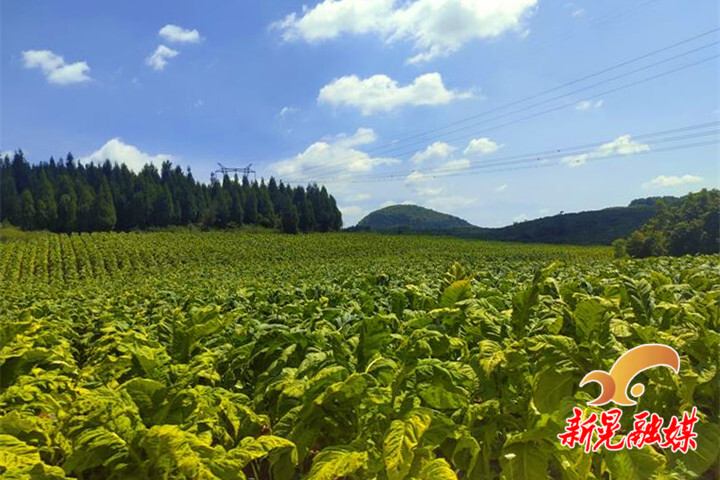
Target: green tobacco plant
[(218, 355)]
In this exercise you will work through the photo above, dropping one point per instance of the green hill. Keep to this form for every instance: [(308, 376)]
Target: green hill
[(398, 218), (595, 227), (688, 227)]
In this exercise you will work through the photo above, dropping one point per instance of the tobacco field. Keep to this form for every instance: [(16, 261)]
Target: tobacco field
[(234, 355)]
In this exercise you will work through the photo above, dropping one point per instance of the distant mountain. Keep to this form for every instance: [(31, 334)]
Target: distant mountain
[(595, 227), (412, 218)]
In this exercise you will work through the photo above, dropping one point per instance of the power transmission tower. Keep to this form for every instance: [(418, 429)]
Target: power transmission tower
[(245, 171)]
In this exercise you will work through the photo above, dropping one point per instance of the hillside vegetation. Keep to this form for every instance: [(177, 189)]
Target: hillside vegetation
[(597, 227), (410, 218), (691, 226)]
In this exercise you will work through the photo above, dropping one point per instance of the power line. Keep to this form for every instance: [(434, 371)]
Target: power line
[(574, 150), (394, 144), (555, 108), (440, 171), (559, 87), (657, 137), (544, 165), (570, 93), (595, 22), (607, 157)]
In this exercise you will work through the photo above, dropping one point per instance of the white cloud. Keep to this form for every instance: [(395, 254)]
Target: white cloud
[(116, 150), (429, 192), (450, 202), (481, 146), (358, 197), (351, 210), (198, 104), (414, 181), (665, 181), (416, 177), (285, 111), (447, 168), (362, 136), (544, 211), (623, 145), (7, 153), (459, 164), (54, 67), (520, 218), (576, 160), (435, 28), (173, 33), (381, 93), (336, 158), (587, 105), (159, 58), (501, 188), (435, 151), (578, 13)]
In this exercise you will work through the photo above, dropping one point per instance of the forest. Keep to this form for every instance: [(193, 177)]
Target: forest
[(66, 196), (686, 227)]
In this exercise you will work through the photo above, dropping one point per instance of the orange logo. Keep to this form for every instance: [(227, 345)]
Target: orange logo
[(615, 383)]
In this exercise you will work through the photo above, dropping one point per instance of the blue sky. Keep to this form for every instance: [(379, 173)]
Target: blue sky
[(341, 91)]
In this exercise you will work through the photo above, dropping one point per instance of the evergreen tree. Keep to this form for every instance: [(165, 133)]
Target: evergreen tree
[(250, 210), (139, 208), (46, 207), (236, 203), (288, 215), (335, 215), (27, 220), (163, 209), (222, 203), (69, 196), (67, 205), (266, 211), (10, 200), (104, 217), (21, 171), (85, 206), (307, 216)]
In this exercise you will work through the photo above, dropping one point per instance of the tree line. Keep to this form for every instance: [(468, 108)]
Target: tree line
[(66, 196), (690, 225)]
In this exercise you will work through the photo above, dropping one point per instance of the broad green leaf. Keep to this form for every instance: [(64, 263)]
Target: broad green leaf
[(466, 456), (524, 461), (402, 438), (707, 452), (592, 319), (336, 462), (173, 452), (437, 469), (550, 387), (95, 447), (574, 464), (255, 448), (457, 291), (19, 460), (633, 464)]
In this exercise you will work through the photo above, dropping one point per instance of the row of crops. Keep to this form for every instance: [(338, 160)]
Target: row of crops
[(221, 355)]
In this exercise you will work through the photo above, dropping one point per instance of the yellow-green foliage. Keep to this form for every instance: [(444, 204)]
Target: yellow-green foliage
[(223, 355)]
